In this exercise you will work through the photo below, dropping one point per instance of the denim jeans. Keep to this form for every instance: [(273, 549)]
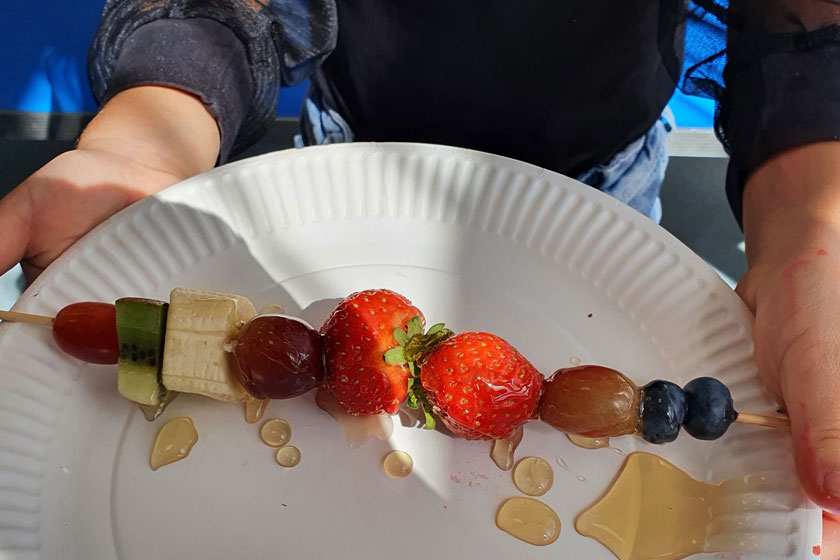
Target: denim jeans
[(634, 175)]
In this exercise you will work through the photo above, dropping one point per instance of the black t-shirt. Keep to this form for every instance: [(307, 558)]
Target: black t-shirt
[(552, 83), (560, 83)]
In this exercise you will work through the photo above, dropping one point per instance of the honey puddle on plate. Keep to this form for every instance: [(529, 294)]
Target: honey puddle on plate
[(533, 476), (288, 456), (654, 510), (174, 442), (276, 432), (398, 464), (357, 429), (529, 520)]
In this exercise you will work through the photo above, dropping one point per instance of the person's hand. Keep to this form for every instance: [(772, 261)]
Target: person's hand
[(65, 199), (145, 139), (792, 230)]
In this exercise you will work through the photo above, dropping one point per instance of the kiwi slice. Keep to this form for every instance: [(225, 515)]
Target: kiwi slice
[(141, 325)]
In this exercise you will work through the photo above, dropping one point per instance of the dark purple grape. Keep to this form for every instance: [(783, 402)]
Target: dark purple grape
[(279, 357)]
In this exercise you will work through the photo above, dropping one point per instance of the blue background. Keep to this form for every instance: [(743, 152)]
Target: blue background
[(44, 47)]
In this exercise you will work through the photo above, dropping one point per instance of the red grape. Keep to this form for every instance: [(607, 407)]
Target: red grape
[(88, 331), (591, 401), (279, 357)]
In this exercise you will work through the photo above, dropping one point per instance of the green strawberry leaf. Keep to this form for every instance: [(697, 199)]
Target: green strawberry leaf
[(434, 328), (415, 326), (430, 420), (413, 401), (413, 345), (400, 336), (395, 356)]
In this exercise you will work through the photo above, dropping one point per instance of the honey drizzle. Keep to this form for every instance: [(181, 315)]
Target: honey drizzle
[(357, 429), (273, 309), (153, 412), (589, 443), (254, 409), (655, 510), (503, 450)]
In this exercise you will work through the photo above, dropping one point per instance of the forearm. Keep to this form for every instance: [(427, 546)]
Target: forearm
[(163, 128), (792, 202)]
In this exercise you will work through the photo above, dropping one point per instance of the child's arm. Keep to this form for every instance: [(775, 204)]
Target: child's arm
[(143, 140)]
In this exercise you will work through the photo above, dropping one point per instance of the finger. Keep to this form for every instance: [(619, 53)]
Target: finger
[(15, 213), (30, 271), (812, 390), (830, 549), (746, 289)]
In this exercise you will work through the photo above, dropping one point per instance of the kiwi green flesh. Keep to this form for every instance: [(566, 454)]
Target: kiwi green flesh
[(141, 326)]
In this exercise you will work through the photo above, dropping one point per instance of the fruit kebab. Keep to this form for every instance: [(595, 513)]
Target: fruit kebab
[(371, 355)]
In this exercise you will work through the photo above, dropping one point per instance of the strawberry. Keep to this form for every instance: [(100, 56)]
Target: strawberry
[(356, 336), (480, 386)]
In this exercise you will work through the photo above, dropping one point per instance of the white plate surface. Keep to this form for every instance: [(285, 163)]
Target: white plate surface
[(478, 241)]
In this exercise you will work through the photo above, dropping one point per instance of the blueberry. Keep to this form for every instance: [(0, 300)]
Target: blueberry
[(663, 411), (710, 408)]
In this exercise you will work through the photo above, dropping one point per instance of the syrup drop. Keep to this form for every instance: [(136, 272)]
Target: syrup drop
[(273, 309), (529, 520), (153, 412), (357, 429), (655, 510), (174, 442), (288, 456), (533, 476), (503, 450), (589, 443), (398, 464), (254, 409), (275, 432)]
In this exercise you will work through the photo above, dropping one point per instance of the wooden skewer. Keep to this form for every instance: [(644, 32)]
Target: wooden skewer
[(762, 420), (15, 317), (746, 418)]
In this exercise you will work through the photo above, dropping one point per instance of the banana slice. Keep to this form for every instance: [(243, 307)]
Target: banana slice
[(198, 325)]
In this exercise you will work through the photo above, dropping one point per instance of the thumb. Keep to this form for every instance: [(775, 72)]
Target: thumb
[(15, 228), (811, 396)]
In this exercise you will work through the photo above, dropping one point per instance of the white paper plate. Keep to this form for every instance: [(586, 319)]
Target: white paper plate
[(478, 241)]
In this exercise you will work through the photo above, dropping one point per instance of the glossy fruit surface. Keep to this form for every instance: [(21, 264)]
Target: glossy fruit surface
[(591, 401), (356, 336), (481, 386), (279, 357), (710, 408), (663, 411), (88, 331)]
